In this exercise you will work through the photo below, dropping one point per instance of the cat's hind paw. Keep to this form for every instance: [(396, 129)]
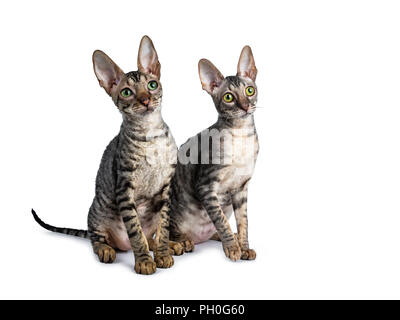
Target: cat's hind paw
[(188, 245), (106, 253), (175, 248), (164, 261)]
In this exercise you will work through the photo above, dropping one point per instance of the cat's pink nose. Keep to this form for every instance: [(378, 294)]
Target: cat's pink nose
[(145, 101), (245, 107)]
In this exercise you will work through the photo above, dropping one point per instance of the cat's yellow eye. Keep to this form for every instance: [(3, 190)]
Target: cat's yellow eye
[(152, 85), (126, 93), (250, 91), (228, 97)]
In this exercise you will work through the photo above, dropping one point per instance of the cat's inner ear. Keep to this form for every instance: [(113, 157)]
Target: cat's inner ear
[(107, 72), (210, 77), (147, 58), (247, 66)]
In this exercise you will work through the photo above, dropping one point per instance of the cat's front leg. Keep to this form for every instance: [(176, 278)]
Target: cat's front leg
[(162, 256), (239, 203), (209, 199), (144, 263)]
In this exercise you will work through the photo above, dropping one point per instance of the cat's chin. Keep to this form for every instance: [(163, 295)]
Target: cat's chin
[(149, 110), (242, 115), (142, 112)]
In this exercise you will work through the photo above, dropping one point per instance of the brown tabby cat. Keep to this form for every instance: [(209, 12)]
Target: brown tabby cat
[(131, 204), (221, 159)]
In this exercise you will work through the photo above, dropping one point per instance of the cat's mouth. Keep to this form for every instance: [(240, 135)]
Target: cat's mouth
[(243, 112), (249, 109), (147, 108)]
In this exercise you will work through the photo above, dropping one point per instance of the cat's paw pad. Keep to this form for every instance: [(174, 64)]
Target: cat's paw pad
[(175, 248), (164, 261), (188, 245), (233, 252), (248, 254), (147, 266), (106, 254)]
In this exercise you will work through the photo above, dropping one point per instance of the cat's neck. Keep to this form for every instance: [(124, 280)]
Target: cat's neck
[(148, 125), (236, 123)]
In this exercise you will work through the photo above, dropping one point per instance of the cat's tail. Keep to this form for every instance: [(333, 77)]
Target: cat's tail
[(72, 232)]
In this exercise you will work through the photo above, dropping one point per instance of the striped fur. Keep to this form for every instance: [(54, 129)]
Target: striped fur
[(204, 194), (131, 204)]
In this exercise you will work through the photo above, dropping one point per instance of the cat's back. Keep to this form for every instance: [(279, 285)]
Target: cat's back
[(106, 175)]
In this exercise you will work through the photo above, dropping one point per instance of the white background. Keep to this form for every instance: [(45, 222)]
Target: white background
[(324, 209)]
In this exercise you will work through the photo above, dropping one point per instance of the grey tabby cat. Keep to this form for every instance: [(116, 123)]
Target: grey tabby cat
[(131, 203), (215, 181)]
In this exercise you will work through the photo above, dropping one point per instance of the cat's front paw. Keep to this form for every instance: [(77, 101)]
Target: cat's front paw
[(248, 254), (147, 266), (232, 251), (164, 261)]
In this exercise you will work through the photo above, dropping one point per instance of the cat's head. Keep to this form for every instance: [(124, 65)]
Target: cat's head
[(234, 96), (135, 93)]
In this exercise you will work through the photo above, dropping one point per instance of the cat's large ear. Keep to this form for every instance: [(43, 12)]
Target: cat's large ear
[(210, 77), (107, 72), (147, 58), (247, 66)]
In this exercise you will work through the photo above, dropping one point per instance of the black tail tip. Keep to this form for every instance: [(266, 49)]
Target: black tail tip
[(35, 216)]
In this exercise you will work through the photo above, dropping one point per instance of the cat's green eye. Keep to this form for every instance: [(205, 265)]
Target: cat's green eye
[(250, 91), (152, 85), (126, 93), (228, 97)]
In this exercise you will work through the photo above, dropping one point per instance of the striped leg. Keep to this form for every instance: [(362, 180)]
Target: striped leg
[(144, 263), (210, 202), (162, 256), (239, 202)]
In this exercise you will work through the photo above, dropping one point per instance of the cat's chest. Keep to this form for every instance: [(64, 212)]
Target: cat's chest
[(155, 167), (232, 179), (243, 149), (242, 155)]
